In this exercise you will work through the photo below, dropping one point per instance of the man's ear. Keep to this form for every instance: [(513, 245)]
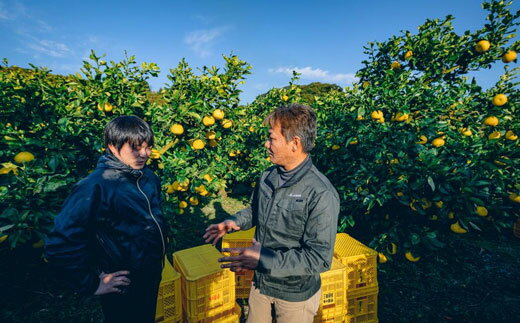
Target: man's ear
[(297, 144), (113, 149)]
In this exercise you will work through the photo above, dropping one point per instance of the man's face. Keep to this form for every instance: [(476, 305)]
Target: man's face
[(280, 151), (135, 158)]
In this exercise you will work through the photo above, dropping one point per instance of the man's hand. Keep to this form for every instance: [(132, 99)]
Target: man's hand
[(247, 257), (108, 283), (216, 231)]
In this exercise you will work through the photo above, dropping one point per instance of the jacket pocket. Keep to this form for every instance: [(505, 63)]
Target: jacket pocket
[(112, 259), (291, 216), (290, 284)]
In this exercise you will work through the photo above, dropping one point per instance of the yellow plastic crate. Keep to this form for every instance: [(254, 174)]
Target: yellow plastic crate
[(240, 239), (208, 289), (360, 260), (333, 296), (228, 316), (362, 306), (338, 319), (243, 283), (169, 299)]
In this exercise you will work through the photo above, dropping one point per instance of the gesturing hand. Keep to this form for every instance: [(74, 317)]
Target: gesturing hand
[(108, 283), (216, 231), (247, 257)]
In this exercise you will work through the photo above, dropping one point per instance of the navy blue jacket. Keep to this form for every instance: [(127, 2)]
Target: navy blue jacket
[(111, 221)]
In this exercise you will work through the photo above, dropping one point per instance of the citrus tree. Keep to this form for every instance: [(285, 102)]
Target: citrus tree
[(417, 148)]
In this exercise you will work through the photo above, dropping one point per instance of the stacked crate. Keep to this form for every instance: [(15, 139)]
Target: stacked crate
[(362, 287), (240, 239), (333, 303), (208, 290), (169, 304)]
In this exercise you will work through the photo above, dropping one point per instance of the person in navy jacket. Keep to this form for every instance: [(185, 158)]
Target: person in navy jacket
[(109, 238)]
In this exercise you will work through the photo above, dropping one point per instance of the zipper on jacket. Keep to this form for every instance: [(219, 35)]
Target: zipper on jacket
[(151, 214), (269, 213)]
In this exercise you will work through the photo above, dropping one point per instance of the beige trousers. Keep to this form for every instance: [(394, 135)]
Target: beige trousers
[(286, 312)]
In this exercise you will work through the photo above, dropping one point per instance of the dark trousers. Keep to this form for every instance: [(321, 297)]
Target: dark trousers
[(137, 303)]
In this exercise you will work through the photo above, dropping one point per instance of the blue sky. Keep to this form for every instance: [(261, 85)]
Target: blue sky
[(321, 39)]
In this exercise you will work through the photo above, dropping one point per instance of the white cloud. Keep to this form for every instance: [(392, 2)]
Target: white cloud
[(201, 41), (316, 74), (50, 48), (43, 26)]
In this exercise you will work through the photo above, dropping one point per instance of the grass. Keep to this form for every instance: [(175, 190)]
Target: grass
[(474, 279)]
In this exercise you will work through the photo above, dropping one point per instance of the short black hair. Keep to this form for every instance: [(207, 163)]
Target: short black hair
[(127, 129)]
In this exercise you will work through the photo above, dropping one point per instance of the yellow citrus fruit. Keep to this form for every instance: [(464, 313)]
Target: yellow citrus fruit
[(170, 188), (218, 114), (408, 54), (100, 107), (481, 210), (211, 135), (360, 117), (514, 197), (438, 204), (509, 56), (494, 135), (208, 178), (23, 157), (155, 154), (176, 186), (208, 121), (38, 244), (466, 132), (438, 142), (411, 258), (376, 114), (3, 238), (399, 194), (425, 203), (482, 46), (213, 143), (401, 117), (491, 121), (251, 129), (285, 98), (227, 123), (393, 248), (336, 147), (194, 200), (177, 129), (183, 204), (108, 107), (511, 135), (382, 258), (451, 215), (198, 144), (395, 65), (354, 142), (499, 100), (455, 227), (366, 84)]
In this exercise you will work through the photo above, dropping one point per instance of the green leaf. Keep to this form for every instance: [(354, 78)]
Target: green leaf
[(431, 183)]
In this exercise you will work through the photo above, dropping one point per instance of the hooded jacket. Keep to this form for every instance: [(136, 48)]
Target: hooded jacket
[(111, 221)]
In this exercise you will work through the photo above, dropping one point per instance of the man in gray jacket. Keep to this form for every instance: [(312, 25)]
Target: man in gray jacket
[(295, 210)]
